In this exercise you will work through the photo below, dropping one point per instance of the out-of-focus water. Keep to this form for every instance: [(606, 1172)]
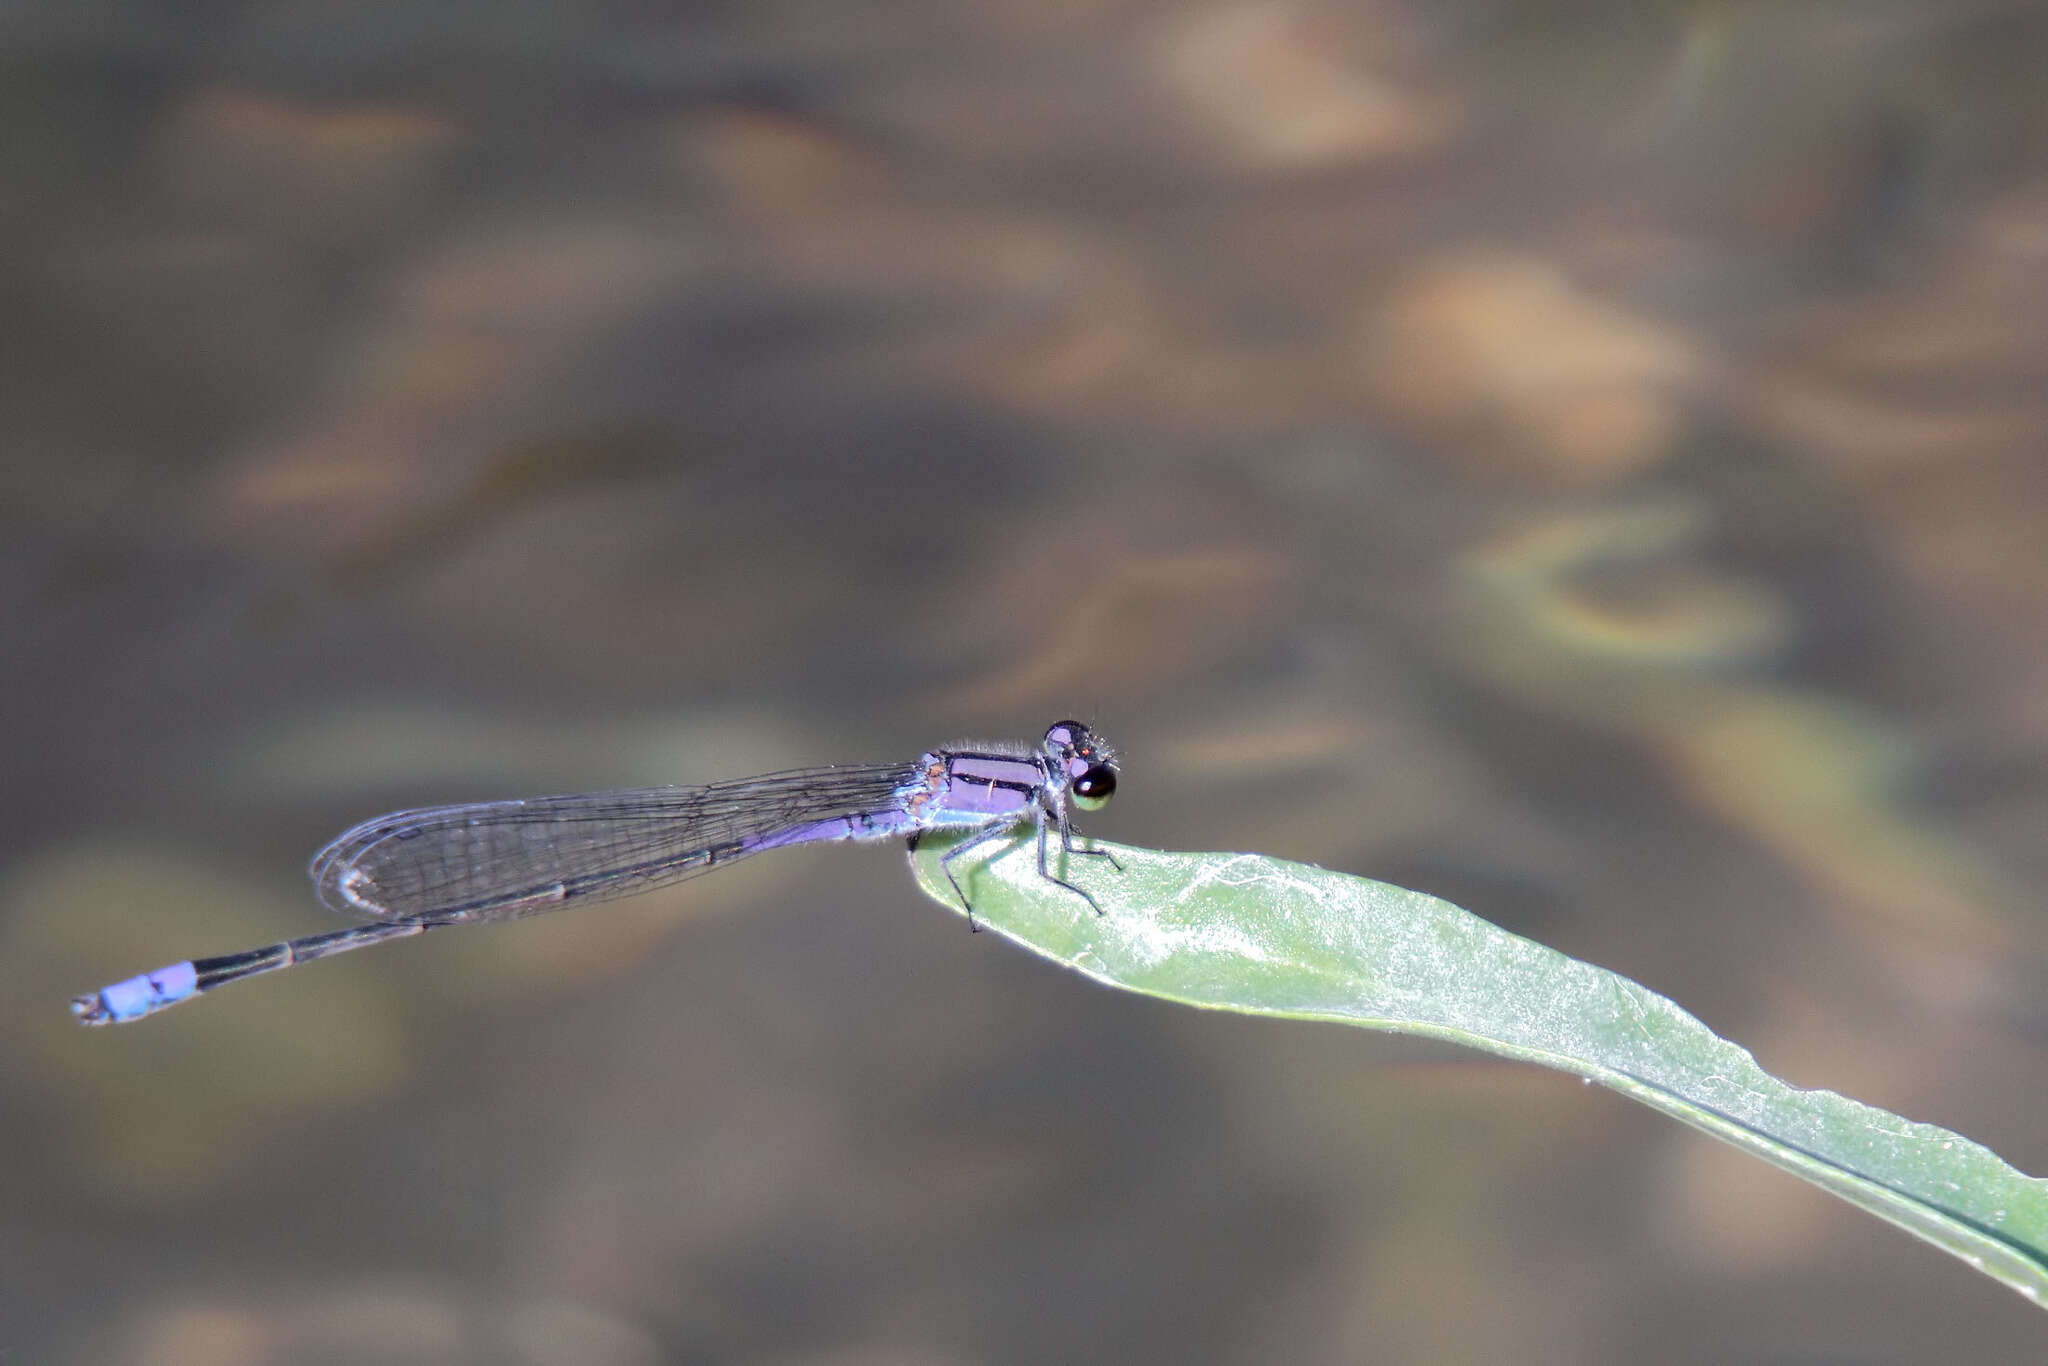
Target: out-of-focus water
[(1586, 462)]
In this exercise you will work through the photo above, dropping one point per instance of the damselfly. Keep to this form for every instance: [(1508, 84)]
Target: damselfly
[(414, 871)]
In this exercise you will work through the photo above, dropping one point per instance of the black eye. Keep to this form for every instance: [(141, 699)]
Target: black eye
[(1093, 789)]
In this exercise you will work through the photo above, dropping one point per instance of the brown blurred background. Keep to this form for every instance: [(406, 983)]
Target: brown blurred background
[(1582, 460)]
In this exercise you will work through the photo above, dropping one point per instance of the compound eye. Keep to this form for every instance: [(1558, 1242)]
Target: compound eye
[(1093, 789)]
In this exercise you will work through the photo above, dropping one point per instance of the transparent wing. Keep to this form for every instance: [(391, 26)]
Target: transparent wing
[(500, 860)]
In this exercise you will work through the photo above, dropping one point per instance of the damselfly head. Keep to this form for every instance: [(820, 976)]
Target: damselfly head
[(1088, 762)]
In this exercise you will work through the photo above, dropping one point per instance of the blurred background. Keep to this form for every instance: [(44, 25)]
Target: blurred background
[(1585, 461)]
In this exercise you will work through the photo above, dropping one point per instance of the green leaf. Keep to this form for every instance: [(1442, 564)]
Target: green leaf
[(1266, 937)]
